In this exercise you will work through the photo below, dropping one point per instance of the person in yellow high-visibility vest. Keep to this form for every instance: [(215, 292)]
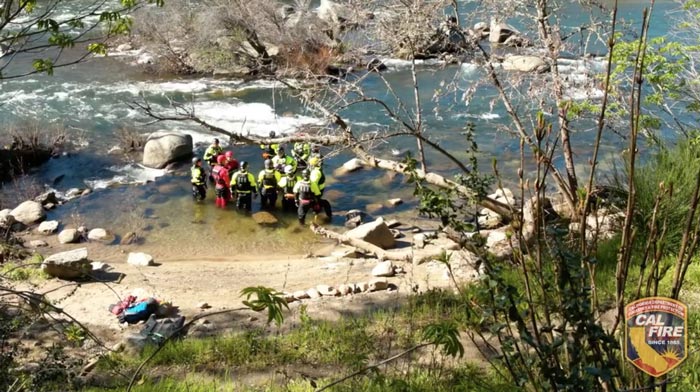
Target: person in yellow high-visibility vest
[(268, 180)]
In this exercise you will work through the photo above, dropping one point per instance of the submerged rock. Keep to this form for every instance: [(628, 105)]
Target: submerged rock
[(265, 218), (68, 265)]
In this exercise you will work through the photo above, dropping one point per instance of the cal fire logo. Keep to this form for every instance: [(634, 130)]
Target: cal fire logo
[(656, 334)]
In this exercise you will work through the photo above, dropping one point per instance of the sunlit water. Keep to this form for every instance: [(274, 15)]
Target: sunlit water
[(90, 100)]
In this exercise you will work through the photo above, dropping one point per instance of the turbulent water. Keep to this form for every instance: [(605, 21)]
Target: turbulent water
[(90, 101)]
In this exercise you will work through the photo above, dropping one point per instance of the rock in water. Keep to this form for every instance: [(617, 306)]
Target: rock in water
[(385, 268), (129, 238), (48, 227), (68, 265), (140, 259), (264, 218), (525, 64), (395, 202), (68, 236), (47, 198), (164, 147), (29, 212), (376, 233), (101, 235)]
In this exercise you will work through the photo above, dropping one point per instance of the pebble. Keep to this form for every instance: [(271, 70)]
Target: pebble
[(203, 305)]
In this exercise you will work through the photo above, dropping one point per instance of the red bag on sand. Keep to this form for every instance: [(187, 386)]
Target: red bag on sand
[(119, 307)]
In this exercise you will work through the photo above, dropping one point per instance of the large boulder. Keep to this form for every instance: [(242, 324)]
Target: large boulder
[(521, 63), (29, 212), (376, 233), (164, 147), (68, 265)]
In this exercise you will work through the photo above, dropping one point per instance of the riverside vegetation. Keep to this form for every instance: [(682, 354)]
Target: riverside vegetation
[(545, 312)]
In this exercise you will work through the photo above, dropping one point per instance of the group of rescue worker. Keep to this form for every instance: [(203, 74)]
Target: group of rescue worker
[(298, 178)]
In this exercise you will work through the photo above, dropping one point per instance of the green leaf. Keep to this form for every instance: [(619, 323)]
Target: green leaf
[(266, 299)]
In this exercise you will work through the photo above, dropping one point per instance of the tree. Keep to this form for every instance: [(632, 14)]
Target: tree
[(58, 33)]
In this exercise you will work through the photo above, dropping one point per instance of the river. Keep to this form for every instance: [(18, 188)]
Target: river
[(90, 101)]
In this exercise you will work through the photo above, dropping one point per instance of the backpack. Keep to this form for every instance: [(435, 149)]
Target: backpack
[(139, 311), (305, 191)]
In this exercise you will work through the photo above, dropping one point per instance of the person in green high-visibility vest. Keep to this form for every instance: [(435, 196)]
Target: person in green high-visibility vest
[(199, 182)]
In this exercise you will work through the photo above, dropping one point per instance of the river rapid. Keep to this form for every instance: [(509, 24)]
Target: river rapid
[(90, 101)]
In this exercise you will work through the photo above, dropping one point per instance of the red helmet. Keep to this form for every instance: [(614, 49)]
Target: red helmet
[(221, 159), (228, 154)]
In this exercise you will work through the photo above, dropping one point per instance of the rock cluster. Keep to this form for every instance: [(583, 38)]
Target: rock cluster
[(322, 290)]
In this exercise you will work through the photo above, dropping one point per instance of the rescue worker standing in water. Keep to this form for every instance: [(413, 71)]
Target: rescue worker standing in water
[(245, 187), (317, 177), (199, 180), (286, 185), (306, 194), (281, 160), (268, 180), (269, 150), (301, 153), (223, 182), (212, 152)]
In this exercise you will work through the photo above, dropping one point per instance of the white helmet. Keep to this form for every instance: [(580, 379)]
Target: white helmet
[(288, 169)]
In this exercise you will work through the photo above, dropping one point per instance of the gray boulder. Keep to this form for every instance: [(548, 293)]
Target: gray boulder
[(68, 265), (164, 147), (376, 233), (68, 236), (47, 227), (29, 212)]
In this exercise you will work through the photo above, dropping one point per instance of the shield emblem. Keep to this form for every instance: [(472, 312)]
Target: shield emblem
[(656, 334)]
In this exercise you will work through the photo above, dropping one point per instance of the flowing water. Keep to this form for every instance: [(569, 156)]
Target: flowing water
[(90, 101)]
